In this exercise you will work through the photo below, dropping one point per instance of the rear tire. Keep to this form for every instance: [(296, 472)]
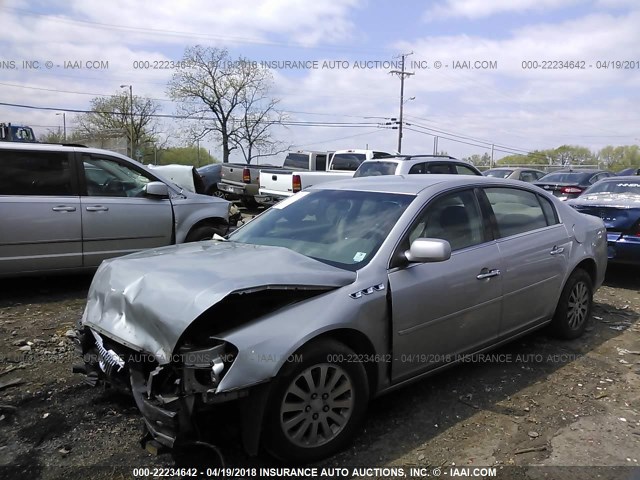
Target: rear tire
[(317, 404), (574, 307), (204, 232)]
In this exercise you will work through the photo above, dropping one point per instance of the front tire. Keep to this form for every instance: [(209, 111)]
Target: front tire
[(574, 307), (316, 404), (205, 232)]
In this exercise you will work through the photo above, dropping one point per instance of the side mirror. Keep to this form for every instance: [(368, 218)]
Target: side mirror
[(156, 189), (428, 250)]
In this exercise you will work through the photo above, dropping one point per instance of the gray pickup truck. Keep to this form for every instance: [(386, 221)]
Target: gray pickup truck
[(241, 179)]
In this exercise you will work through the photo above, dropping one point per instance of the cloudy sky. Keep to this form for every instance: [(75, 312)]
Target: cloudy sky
[(478, 66)]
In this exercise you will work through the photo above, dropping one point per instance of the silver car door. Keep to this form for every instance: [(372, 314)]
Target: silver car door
[(534, 247), (117, 217), (40, 212), (441, 310)]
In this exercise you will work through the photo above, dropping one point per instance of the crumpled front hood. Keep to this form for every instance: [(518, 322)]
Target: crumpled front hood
[(146, 300)]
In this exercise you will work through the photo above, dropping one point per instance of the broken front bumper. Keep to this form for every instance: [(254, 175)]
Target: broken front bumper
[(173, 399)]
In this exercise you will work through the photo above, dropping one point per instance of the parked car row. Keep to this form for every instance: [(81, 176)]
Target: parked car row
[(397, 273)]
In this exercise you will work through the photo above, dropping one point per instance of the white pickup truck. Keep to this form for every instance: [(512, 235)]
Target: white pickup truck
[(276, 185)]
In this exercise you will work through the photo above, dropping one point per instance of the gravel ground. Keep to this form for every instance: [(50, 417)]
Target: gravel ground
[(533, 407)]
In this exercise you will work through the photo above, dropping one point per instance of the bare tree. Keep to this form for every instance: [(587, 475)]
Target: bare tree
[(253, 135), (114, 116), (235, 92)]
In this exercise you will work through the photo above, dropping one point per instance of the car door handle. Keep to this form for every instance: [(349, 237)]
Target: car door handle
[(556, 250), (98, 208), (63, 208), (489, 274)]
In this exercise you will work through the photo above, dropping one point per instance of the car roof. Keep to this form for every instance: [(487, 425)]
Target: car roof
[(577, 170), (624, 178), (59, 147), (412, 184), (411, 157)]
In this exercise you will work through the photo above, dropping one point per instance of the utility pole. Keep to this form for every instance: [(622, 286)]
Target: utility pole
[(435, 145), (402, 74), (131, 114), (64, 125), (491, 161)]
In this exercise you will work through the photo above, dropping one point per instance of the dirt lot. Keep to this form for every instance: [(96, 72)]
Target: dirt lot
[(536, 402)]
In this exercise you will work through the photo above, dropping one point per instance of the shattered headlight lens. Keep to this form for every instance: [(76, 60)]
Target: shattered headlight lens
[(204, 368)]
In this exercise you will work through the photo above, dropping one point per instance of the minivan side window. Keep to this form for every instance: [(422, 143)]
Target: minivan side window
[(516, 211), (24, 172), (109, 178)]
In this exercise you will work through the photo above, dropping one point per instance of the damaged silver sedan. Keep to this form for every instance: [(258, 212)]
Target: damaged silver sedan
[(341, 293)]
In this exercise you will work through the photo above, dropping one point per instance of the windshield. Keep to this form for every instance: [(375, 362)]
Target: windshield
[(498, 173), (370, 169), (629, 188), (338, 227), (564, 177)]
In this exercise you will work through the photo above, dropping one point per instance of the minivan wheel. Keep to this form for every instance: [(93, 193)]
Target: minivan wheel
[(204, 232), (574, 307), (317, 403)]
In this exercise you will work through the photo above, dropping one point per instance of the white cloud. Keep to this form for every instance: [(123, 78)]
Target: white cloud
[(483, 8)]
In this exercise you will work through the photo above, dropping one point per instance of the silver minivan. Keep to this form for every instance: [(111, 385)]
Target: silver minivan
[(67, 208)]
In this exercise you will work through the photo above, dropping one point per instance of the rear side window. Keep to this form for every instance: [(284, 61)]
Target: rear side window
[(373, 169), (36, 173), (464, 170), (439, 168), (516, 211), (418, 169), (549, 210), (321, 163)]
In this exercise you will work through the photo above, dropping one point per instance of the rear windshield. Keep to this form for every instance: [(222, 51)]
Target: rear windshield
[(565, 177), (498, 173), (299, 161), (347, 161), (371, 169), (629, 188)]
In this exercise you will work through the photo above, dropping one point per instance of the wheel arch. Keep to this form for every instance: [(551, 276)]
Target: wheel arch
[(356, 341), (207, 222), (589, 266)]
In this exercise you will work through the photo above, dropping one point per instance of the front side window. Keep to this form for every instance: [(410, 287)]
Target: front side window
[(453, 217), (516, 211), (36, 173), (110, 178), (338, 227)]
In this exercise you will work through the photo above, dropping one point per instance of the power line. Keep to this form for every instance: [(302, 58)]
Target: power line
[(181, 34), (339, 138), (305, 123)]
